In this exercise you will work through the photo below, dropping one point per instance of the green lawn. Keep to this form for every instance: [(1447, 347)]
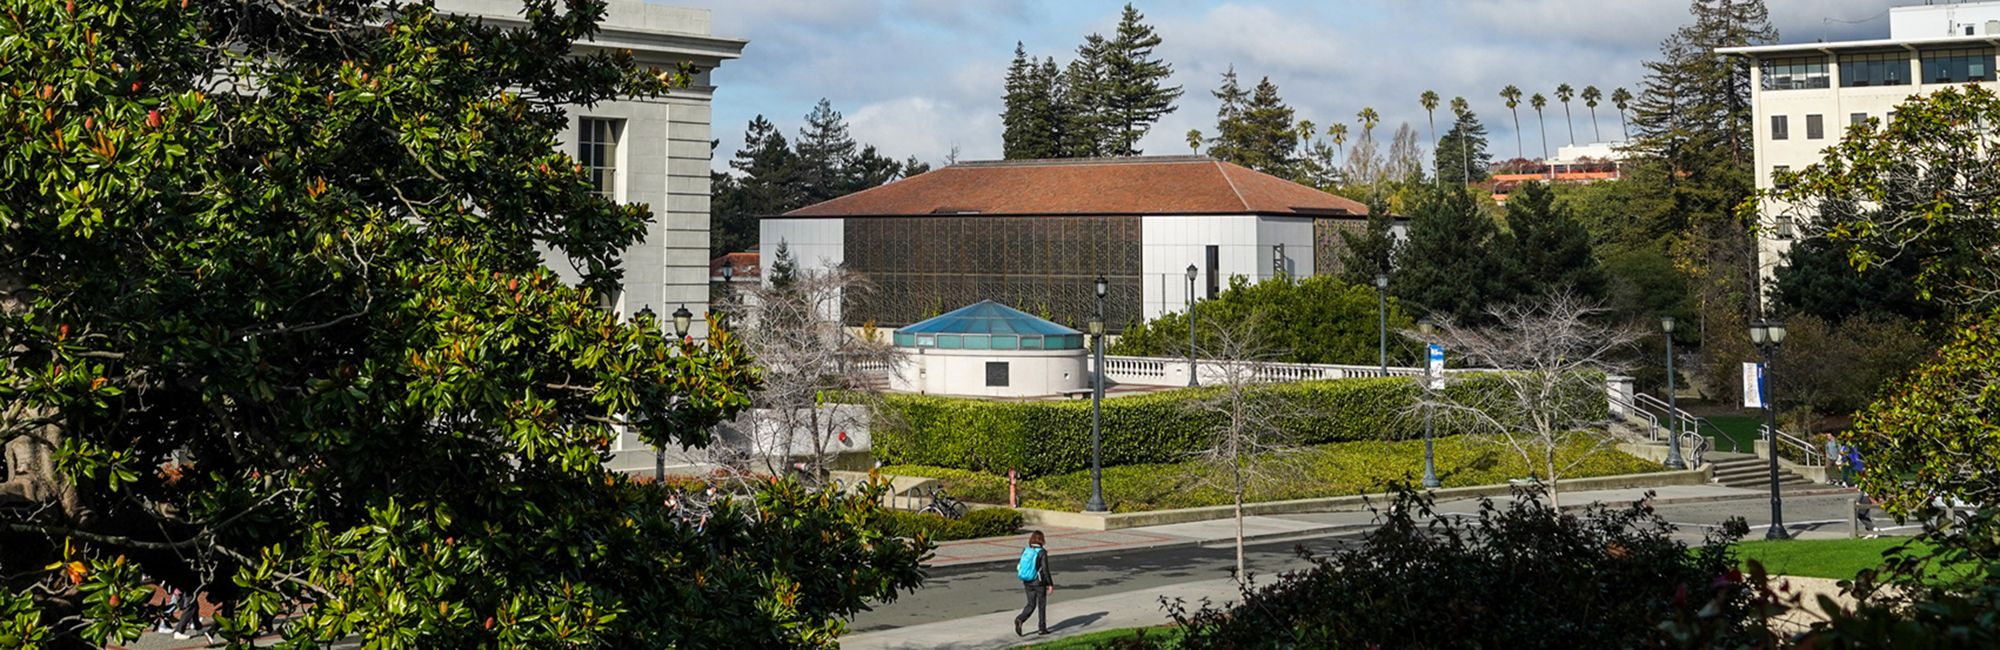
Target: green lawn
[(1839, 559), (1739, 433), (1094, 639), (1335, 469)]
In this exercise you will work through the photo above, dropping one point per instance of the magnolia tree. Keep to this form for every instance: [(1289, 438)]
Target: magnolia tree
[(820, 378), (1547, 402), (275, 325)]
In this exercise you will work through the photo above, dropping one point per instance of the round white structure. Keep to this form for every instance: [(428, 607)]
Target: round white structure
[(991, 350)]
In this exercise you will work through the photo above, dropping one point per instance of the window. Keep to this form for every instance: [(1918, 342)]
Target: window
[(1784, 229), (1892, 69), (1815, 127), (996, 373), (1214, 261), (1958, 66), (597, 150), (1780, 128), (1795, 73), (1857, 119)]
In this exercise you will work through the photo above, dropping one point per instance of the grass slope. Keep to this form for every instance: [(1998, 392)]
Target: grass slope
[(1167, 635)]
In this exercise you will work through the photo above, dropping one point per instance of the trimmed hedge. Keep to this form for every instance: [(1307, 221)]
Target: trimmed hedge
[(985, 522), (1053, 437)]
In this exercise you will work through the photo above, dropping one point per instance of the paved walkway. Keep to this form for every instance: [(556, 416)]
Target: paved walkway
[(1070, 542)]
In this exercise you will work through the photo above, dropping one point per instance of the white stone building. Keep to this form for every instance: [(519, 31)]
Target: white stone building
[(651, 151), (1805, 95)]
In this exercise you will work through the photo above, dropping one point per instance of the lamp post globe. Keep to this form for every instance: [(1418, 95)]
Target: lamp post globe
[(1192, 273), (1096, 503), (1768, 335), (1674, 459), (682, 320)]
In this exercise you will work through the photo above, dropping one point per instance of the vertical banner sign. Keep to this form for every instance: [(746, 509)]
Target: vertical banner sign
[(1436, 369), (1753, 385)]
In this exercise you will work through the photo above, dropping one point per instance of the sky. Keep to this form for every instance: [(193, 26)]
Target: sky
[(924, 77)]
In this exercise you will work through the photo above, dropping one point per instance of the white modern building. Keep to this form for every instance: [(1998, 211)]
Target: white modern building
[(1035, 234), (652, 151), (1805, 95)]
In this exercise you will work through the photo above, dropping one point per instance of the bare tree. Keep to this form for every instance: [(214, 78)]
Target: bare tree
[(821, 380), (1552, 353), (1248, 447)]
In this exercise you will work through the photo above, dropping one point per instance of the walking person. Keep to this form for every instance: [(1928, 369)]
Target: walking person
[(1039, 582), (1836, 459)]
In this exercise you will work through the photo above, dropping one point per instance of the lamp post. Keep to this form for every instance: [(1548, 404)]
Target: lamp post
[(1673, 405), (1096, 503), (1382, 314), (1767, 335), (1433, 358), (681, 321), (728, 290), (1191, 273)]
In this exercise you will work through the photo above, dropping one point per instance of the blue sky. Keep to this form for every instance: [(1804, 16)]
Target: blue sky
[(918, 77)]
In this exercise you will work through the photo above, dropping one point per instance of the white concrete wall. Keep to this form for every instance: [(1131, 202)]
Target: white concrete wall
[(963, 373), (1939, 21), (814, 243), (1170, 243)]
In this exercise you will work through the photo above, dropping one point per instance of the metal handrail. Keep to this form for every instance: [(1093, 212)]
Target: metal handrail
[(1719, 433), (1697, 447), (1813, 457)]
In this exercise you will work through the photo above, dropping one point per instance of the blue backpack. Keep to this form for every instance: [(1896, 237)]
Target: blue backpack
[(1028, 571)]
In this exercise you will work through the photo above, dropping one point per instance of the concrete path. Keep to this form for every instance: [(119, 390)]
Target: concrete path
[(1140, 608)]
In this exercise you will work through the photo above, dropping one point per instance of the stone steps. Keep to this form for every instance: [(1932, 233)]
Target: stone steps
[(1750, 472)]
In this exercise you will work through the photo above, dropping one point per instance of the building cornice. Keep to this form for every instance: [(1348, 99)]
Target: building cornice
[(1762, 51)]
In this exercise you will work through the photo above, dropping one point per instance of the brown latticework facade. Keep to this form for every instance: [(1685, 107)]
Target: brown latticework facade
[(1043, 265), (1328, 247)]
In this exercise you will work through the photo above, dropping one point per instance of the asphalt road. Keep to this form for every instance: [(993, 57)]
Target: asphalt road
[(961, 592)]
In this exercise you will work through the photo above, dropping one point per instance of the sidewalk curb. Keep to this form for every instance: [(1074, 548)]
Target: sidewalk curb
[(1720, 498), (1303, 533)]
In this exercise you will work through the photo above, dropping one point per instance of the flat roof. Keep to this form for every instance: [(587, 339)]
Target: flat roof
[(1754, 51)]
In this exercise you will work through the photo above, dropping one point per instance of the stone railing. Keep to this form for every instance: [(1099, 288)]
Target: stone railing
[(1166, 371)]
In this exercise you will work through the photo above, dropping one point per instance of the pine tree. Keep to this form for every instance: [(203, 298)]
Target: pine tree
[(1551, 249), (1086, 132), (1454, 262), (766, 183), (1032, 120), (1372, 251), (1255, 129), (824, 152), (1461, 155), (1131, 97)]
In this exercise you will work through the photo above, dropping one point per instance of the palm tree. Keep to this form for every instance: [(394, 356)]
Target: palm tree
[(1513, 97), (1563, 94), (1369, 118), (1539, 102), (1430, 102), (1339, 134), (1623, 99), (1459, 109), (1194, 140), (1590, 97)]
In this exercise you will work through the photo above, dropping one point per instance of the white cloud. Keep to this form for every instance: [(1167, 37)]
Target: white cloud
[(918, 76)]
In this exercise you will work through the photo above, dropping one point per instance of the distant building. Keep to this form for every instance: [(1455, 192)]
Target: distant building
[(737, 267), (653, 151), (1034, 235), (1804, 95), (990, 350), (1574, 164)]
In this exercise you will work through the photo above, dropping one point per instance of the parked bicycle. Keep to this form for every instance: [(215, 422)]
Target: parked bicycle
[(943, 505)]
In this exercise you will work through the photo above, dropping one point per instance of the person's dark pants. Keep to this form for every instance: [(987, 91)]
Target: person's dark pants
[(1038, 601)]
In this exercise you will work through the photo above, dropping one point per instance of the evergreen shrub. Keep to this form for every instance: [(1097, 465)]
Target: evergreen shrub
[(1053, 437)]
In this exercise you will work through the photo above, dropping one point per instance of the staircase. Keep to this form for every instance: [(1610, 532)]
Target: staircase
[(1750, 472)]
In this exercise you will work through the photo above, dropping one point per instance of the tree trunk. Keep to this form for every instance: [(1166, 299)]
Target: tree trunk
[(1240, 579)]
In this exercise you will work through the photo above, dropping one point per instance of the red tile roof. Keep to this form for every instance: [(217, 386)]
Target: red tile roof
[(1137, 186)]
